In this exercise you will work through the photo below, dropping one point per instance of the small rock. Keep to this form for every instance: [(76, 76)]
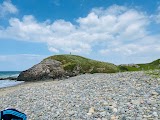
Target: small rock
[(115, 110), (71, 113), (155, 114), (105, 103), (154, 108), (139, 118), (89, 113), (103, 114), (104, 119), (158, 90), (147, 116), (135, 102), (141, 101), (123, 118), (98, 118), (123, 111), (91, 110), (108, 109), (56, 115), (113, 117), (154, 93)]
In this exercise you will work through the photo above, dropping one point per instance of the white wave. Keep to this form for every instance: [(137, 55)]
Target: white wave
[(14, 75), (8, 83)]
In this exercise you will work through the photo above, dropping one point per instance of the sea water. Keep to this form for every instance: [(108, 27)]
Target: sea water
[(8, 83)]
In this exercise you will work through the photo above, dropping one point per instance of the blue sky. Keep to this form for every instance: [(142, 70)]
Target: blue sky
[(116, 31)]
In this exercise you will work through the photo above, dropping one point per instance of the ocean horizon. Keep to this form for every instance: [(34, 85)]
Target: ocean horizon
[(9, 83)]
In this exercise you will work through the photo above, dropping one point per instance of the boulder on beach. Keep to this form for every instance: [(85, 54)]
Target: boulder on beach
[(47, 69)]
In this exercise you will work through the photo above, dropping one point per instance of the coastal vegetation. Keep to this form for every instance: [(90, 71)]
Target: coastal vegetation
[(93, 66), (69, 62), (138, 67)]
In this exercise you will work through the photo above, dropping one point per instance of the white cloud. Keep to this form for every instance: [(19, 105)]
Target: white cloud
[(20, 56), (157, 16), (3, 58), (19, 61), (117, 30), (7, 8), (52, 49), (56, 2)]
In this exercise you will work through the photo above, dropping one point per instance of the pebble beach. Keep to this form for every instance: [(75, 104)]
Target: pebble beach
[(116, 96)]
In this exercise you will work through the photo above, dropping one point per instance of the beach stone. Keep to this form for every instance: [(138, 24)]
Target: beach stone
[(105, 103), (158, 90), (123, 111), (103, 114), (104, 119), (89, 113), (123, 118), (71, 113), (155, 93), (91, 110), (147, 116), (115, 110), (155, 114), (136, 102), (98, 118), (108, 109), (139, 118), (113, 117)]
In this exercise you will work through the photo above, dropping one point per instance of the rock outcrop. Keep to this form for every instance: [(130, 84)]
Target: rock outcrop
[(64, 66), (9, 78), (47, 69)]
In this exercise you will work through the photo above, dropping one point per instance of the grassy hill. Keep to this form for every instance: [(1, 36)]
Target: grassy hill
[(137, 67), (69, 62)]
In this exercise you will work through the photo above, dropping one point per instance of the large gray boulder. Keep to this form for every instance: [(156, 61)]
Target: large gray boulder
[(47, 69)]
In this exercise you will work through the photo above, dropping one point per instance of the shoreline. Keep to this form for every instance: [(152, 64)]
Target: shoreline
[(5, 90)]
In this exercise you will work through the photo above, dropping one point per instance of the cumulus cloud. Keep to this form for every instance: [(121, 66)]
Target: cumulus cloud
[(7, 8), (20, 56), (112, 31), (56, 2), (19, 61), (157, 16)]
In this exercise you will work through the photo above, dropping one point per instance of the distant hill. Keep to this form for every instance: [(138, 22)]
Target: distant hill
[(64, 66), (69, 62), (137, 67)]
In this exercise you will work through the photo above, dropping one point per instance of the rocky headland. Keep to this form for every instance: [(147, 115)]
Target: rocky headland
[(9, 78), (65, 66)]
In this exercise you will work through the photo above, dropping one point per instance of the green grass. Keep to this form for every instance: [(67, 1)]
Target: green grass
[(154, 73), (148, 66), (69, 62)]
